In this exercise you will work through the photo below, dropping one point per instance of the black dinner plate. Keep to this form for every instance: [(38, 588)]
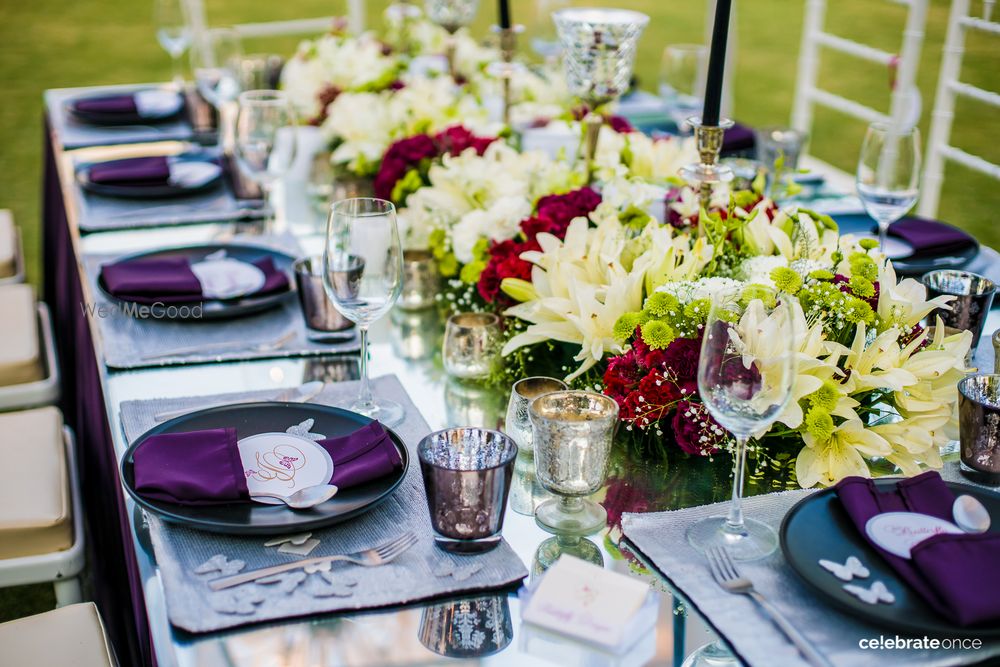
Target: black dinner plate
[(818, 527), (217, 309), (158, 191), (255, 518), (112, 118), (859, 223)]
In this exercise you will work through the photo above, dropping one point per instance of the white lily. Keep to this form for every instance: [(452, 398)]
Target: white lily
[(841, 455)]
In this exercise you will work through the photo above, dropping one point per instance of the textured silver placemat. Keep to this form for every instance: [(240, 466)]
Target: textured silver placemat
[(127, 342), (97, 213), (415, 575), (661, 536), (71, 133)]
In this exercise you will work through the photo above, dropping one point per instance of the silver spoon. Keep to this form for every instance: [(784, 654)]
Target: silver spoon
[(970, 515), (303, 499)]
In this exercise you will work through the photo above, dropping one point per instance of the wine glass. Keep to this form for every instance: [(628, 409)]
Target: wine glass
[(888, 174), (745, 375), (683, 69), (215, 61), (363, 276), (544, 40), (265, 137), (173, 33)]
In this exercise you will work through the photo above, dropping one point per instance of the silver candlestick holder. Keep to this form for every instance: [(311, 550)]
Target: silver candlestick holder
[(706, 174), (506, 68)]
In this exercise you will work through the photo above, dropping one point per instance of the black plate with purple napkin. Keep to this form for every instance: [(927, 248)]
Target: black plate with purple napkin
[(250, 518), (139, 107), (151, 177), (936, 245), (820, 527), (165, 277)]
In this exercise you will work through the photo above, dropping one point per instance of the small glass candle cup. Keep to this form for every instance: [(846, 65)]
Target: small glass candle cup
[(467, 628), (421, 282), (573, 433), (518, 424), (979, 419), (467, 474), (970, 307), (318, 311), (775, 142), (470, 347)]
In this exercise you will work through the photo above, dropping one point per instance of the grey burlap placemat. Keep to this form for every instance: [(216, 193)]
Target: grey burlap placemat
[(661, 536), (415, 575)]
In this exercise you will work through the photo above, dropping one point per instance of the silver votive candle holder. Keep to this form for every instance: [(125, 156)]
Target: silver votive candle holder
[(318, 311), (467, 628), (973, 296), (518, 423), (467, 475), (996, 351), (573, 432), (471, 345), (421, 280), (979, 428)]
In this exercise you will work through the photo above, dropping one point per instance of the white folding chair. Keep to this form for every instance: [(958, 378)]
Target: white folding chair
[(198, 24), (808, 93), (949, 87)]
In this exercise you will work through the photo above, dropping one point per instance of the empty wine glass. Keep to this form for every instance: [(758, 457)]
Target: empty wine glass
[(215, 60), (888, 174), (173, 33), (745, 375), (683, 69), (363, 276), (543, 38), (265, 137)]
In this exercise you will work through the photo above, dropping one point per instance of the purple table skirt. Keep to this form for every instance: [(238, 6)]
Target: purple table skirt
[(117, 590)]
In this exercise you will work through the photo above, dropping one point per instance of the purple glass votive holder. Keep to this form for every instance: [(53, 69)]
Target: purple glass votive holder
[(979, 428), (467, 474)]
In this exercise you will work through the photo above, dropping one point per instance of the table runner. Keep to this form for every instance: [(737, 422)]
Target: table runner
[(409, 578), (97, 213), (72, 133), (129, 340), (661, 537)]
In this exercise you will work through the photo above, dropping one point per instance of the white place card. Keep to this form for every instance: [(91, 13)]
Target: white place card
[(898, 532), (586, 601)]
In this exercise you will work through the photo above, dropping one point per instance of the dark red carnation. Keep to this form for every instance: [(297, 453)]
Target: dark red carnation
[(680, 358), (620, 124), (623, 496), (325, 96), (694, 430), (622, 376), (456, 139), (400, 158), (505, 262), (658, 395), (562, 209)]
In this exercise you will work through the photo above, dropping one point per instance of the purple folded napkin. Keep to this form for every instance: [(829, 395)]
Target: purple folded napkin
[(171, 280), (737, 139), (109, 104), (136, 172), (930, 237), (204, 467), (957, 575)]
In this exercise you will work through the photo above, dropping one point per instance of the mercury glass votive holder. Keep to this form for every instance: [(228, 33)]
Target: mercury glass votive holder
[(973, 296), (471, 344), (467, 628), (518, 424), (467, 474), (421, 281), (572, 433), (996, 351), (979, 428)]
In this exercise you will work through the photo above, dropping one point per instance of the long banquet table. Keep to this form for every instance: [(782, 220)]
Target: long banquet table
[(125, 575)]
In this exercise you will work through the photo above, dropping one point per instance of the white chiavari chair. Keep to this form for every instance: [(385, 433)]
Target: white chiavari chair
[(950, 87), (904, 99)]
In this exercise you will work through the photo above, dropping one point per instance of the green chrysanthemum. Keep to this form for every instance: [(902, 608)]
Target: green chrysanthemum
[(858, 311), (826, 397), (624, 327), (765, 294), (868, 244), (657, 335), (863, 265), (661, 304), (821, 274), (862, 287), (819, 424), (786, 279), (697, 311)]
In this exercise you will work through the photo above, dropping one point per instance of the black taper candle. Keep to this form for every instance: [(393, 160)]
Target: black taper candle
[(504, 14), (716, 64)]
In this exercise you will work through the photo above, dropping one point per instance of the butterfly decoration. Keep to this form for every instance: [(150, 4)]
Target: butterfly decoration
[(287, 461), (304, 430), (332, 586), (852, 568), (877, 593), (283, 582), (242, 600), (447, 568), (221, 564), (297, 540)]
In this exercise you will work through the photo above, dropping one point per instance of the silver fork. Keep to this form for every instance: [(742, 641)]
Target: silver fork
[(726, 575), (373, 557), (225, 346)]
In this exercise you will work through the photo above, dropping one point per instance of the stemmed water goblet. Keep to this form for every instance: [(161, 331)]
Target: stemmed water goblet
[(683, 69), (363, 276), (452, 15), (745, 375), (888, 174), (173, 34), (265, 137), (215, 60)]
